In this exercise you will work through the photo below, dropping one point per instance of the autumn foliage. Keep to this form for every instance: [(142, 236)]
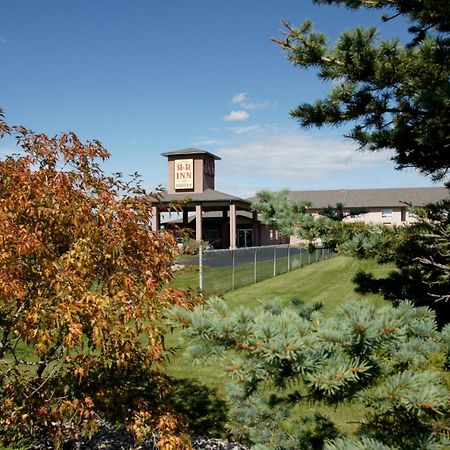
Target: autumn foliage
[(82, 291)]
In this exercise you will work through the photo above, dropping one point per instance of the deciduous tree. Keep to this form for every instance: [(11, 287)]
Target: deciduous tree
[(83, 284)]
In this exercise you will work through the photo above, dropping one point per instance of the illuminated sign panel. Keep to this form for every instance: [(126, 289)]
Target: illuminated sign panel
[(184, 174)]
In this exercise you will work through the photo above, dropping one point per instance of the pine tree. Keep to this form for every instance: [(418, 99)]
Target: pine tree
[(394, 95), (391, 359), (292, 218), (421, 253)]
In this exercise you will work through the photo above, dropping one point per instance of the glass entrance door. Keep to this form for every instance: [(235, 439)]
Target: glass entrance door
[(245, 238)]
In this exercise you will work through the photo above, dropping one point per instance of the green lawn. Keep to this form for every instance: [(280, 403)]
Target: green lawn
[(220, 280), (327, 281)]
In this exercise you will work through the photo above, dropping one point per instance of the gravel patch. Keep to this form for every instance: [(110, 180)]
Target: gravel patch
[(109, 438)]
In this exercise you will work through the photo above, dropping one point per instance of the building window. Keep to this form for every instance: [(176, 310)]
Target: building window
[(271, 235), (403, 213), (386, 212)]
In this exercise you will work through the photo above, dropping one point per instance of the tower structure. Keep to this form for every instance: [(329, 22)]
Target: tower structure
[(190, 170)]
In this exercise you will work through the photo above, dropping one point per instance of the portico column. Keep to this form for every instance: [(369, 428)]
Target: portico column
[(232, 226), (198, 222), (155, 218)]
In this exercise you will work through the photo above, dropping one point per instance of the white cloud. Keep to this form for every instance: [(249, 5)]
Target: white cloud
[(243, 102), (245, 130), (237, 116), (239, 98), (237, 188), (290, 157), (208, 141), (258, 104)]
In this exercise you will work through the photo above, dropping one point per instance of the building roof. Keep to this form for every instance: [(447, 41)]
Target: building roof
[(370, 198), (354, 198), (190, 151), (208, 198)]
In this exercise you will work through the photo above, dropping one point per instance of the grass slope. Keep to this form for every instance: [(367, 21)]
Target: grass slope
[(329, 282)]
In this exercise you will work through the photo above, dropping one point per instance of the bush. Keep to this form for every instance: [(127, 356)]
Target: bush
[(192, 247)]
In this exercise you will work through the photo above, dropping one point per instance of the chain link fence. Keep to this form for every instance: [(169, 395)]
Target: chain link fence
[(224, 270)]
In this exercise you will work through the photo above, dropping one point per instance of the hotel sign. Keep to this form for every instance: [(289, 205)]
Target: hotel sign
[(184, 174)]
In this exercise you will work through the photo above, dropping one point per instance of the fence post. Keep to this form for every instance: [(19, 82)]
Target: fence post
[(254, 265), (232, 269), (289, 258), (274, 261), (200, 268), (309, 257)]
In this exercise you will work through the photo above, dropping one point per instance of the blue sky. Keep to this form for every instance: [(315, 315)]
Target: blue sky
[(149, 76)]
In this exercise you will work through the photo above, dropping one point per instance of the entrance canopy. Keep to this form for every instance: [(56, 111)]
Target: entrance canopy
[(191, 188), (224, 231)]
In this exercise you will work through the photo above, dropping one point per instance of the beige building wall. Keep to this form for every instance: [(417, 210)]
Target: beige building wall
[(396, 216)]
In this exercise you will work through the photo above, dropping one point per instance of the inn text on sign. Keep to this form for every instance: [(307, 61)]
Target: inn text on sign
[(184, 174)]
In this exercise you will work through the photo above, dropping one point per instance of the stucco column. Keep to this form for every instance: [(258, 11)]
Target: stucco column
[(232, 226), (198, 222), (155, 218)]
